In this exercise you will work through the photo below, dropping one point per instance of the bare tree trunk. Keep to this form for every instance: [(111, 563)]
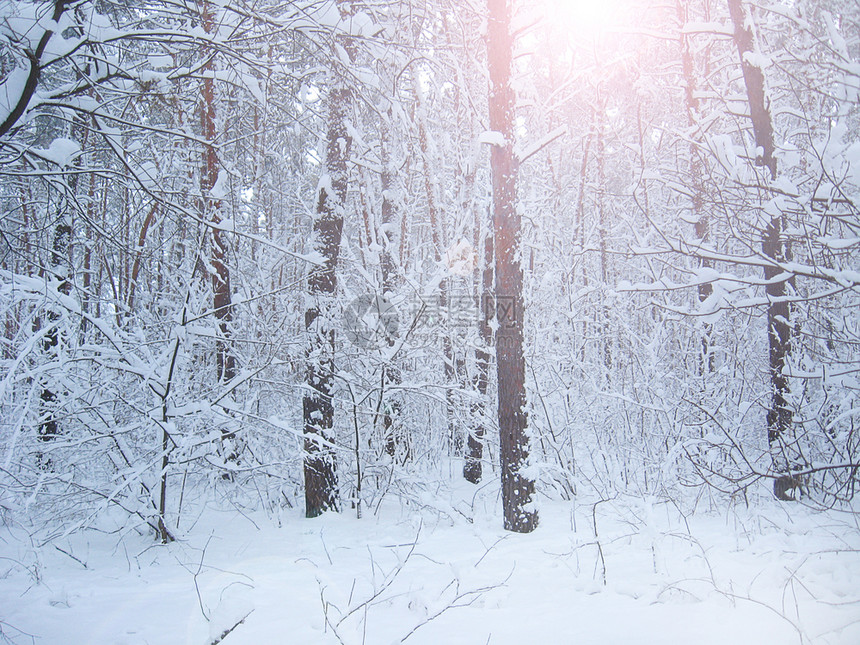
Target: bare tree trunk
[(321, 492), (472, 467), (222, 303), (517, 487), (61, 271), (320, 465), (605, 312), (138, 256), (396, 442), (779, 415), (225, 362), (579, 233), (86, 296), (49, 427), (702, 226), (455, 439)]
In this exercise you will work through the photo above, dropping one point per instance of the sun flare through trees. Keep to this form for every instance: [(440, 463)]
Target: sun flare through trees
[(339, 255)]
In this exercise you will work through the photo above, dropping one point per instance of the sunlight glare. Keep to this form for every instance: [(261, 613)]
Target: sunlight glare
[(594, 17)]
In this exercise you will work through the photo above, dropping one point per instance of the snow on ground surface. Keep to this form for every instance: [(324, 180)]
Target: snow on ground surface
[(770, 574)]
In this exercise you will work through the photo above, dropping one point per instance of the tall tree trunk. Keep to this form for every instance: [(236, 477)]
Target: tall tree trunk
[(49, 426), (225, 362), (61, 271), (517, 486), (579, 234), (779, 415), (320, 465), (222, 300), (455, 440), (702, 225), (602, 225), (473, 467), (86, 296), (396, 442)]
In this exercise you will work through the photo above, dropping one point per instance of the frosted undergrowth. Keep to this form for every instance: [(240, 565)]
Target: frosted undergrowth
[(617, 571)]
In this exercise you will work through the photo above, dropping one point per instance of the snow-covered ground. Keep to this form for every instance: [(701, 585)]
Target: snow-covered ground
[(765, 575)]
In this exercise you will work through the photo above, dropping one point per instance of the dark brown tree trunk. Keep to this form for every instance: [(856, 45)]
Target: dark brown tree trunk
[(517, 486), (225, 362), (779, 415), (321, 492), (222, 301), (138, 256), (320, 464)]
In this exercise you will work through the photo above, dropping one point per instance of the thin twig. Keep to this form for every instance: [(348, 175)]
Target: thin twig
[(78, 560), (227, 632)]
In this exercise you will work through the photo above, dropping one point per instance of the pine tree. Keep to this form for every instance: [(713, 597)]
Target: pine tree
[(517, 487)]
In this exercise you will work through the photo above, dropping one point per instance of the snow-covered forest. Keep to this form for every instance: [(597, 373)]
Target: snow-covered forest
[(462, 321)]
